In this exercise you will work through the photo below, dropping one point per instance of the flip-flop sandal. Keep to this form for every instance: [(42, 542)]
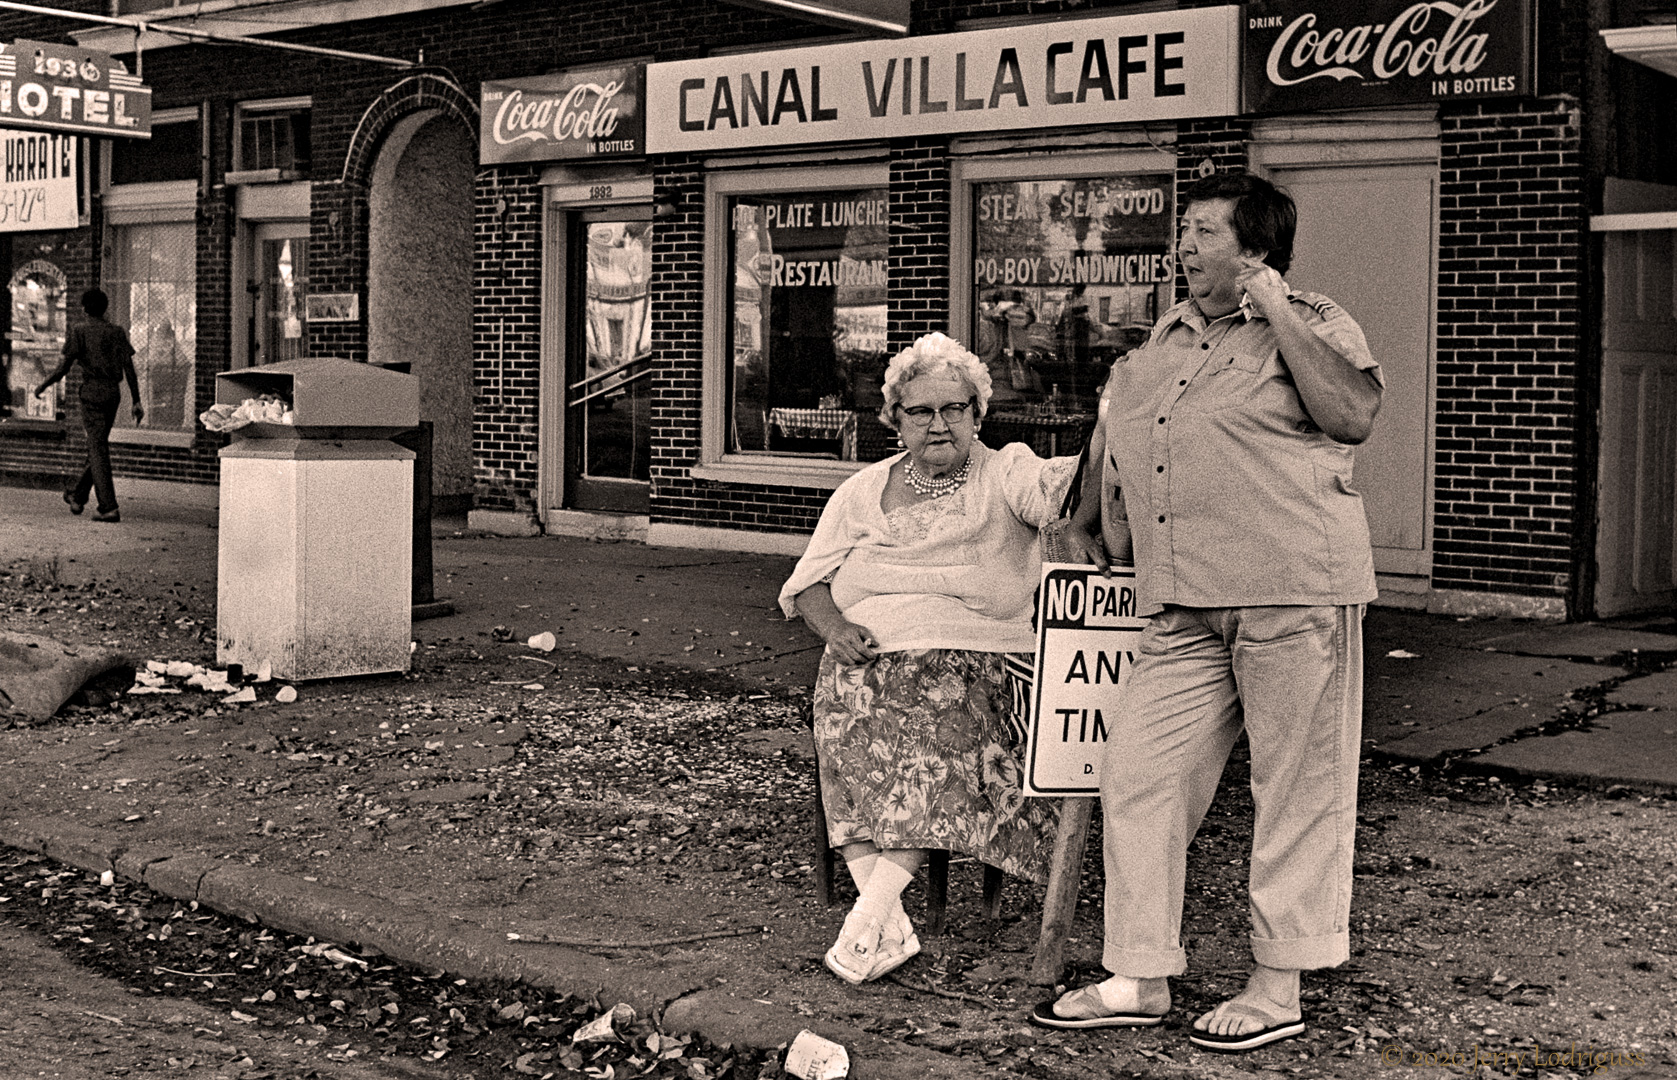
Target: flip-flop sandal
[(1087, 1010), (1248, 1040)]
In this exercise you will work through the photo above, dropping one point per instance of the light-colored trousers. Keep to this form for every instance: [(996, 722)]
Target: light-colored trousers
[(1293, 676)]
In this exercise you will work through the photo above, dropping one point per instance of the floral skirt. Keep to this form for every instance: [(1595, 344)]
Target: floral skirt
[(919, 750)]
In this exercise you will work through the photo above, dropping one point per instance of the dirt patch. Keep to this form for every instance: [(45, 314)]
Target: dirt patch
[(260, 1004), (627, 806)]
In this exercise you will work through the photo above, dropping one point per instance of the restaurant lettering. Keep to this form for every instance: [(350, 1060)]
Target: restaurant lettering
[(579, 114), (810, 215), (1315, 54), (1115, 69), (1076, 269), (784, 271), (1079, 202)]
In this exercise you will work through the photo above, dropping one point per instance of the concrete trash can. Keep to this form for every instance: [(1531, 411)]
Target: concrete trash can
[(316, 548)]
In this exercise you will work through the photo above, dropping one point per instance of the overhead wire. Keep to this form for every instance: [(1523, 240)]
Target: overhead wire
[(143, 26)]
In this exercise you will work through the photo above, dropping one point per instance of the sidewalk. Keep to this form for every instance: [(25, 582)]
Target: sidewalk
[(409, 813), (1489, 693)]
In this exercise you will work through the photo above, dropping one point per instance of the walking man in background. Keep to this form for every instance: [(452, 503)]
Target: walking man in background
[(1227, 458), (107, 358)]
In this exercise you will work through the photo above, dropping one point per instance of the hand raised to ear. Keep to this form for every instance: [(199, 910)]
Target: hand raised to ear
[(1264, 286)]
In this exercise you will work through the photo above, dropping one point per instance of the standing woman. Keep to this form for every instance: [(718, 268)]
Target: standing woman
[(919, 577)]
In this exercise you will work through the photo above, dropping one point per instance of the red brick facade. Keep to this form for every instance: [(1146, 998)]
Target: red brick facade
[(1511, 287)]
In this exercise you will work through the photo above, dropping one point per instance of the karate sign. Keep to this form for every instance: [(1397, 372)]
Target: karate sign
[(1087, 634), (48, 87)]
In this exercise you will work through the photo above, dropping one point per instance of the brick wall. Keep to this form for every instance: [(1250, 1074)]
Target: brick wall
[(506, 336), (1511, 250), (463, 46), (338, 263), (917, 293), (1509, 322), (1202, 147), (678, 245)]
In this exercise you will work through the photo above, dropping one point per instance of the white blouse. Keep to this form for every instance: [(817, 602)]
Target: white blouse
[(950, 573)]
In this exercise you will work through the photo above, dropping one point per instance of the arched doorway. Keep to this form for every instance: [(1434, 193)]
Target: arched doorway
[(419, 283)]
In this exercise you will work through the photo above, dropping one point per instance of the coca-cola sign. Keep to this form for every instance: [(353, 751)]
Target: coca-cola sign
[(1322, 54), (587, 113)]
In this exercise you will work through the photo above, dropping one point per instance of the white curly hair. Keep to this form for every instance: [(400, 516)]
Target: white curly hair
[(934, 354)]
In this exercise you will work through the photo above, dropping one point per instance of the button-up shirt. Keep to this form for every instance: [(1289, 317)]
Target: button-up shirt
[(1234, 497)]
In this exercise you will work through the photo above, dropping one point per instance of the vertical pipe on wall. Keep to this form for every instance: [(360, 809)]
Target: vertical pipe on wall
[(1596, 143)]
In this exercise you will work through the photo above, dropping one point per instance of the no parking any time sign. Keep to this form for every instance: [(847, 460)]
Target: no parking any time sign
[(1087, 633)]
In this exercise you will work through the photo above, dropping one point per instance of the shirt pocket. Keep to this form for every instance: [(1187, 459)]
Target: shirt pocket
[(1229, 380)]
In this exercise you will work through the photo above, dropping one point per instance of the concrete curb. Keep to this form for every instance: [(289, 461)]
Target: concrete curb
[(416, 938)]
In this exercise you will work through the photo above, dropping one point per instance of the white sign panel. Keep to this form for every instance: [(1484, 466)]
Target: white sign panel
[(37, 181), (1159, 66), (1087, 633)]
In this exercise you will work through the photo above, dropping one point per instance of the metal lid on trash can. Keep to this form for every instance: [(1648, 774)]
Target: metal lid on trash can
[(326, 393)]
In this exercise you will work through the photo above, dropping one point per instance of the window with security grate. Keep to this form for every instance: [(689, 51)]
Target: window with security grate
[(151, 276)]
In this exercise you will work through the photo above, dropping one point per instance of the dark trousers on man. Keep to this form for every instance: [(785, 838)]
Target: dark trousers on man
[(99, 409)]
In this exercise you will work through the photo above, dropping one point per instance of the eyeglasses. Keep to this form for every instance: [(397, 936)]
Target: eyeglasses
[(952, 413)]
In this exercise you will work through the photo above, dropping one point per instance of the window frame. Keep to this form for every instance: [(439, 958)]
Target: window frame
[(185, 114), (159, 203), (244, 109), (965, 173), (715, 461)]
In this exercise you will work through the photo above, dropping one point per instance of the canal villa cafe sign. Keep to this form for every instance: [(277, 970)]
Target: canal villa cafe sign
[(1123, 69), (48, 87), (1270, 56)]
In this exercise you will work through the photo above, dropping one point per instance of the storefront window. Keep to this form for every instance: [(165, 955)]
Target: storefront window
[(152, 281), (36, 339), (806, 299), (1068, 275)]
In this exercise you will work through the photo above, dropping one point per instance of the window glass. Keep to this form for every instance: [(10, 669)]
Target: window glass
[(274, 139), (807, 341), (151, 278), (282, 330), (170, 154), (615, 398), (36, 339), (1068, 275)]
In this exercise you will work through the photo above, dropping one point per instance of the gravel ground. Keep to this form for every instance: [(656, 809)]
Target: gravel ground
[(1494, 923)]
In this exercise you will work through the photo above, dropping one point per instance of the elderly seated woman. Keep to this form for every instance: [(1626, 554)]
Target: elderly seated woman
[(919, 577)]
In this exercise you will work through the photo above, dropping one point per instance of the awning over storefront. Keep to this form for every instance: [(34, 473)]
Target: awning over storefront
[(887, 16), (1655, 46)]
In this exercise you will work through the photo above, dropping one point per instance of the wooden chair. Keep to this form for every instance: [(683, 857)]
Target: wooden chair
[(937, 868), (1059, 905)]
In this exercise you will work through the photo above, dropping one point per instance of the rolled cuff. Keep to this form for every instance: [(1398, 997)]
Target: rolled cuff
[(1303, 954), (1144, 963)]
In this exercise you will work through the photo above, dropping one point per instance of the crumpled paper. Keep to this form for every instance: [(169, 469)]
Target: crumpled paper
[(266, 409)]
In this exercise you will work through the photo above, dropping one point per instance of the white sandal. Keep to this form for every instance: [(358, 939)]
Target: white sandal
[(897, 946), (854, 954)]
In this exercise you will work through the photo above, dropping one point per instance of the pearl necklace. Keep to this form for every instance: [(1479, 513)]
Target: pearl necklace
[(937, 486)]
